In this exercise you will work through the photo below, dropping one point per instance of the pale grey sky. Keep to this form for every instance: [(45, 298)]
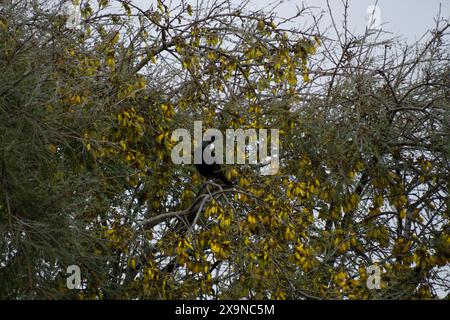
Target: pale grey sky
[(409, 19)]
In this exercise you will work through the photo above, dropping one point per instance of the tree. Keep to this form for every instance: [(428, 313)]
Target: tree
[(87, 179)]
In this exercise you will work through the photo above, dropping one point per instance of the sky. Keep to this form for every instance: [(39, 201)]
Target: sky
[(408, 19)]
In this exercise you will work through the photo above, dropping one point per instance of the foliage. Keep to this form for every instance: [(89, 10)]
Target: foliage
[(86, 116)]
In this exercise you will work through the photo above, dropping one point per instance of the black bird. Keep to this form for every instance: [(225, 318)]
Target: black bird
[(214, 170)]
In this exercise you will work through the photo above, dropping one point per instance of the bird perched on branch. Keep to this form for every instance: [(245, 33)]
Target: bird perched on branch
[(214, 170)]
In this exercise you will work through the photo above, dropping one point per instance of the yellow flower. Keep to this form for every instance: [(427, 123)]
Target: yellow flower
[(110, 62), (251, 219)]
